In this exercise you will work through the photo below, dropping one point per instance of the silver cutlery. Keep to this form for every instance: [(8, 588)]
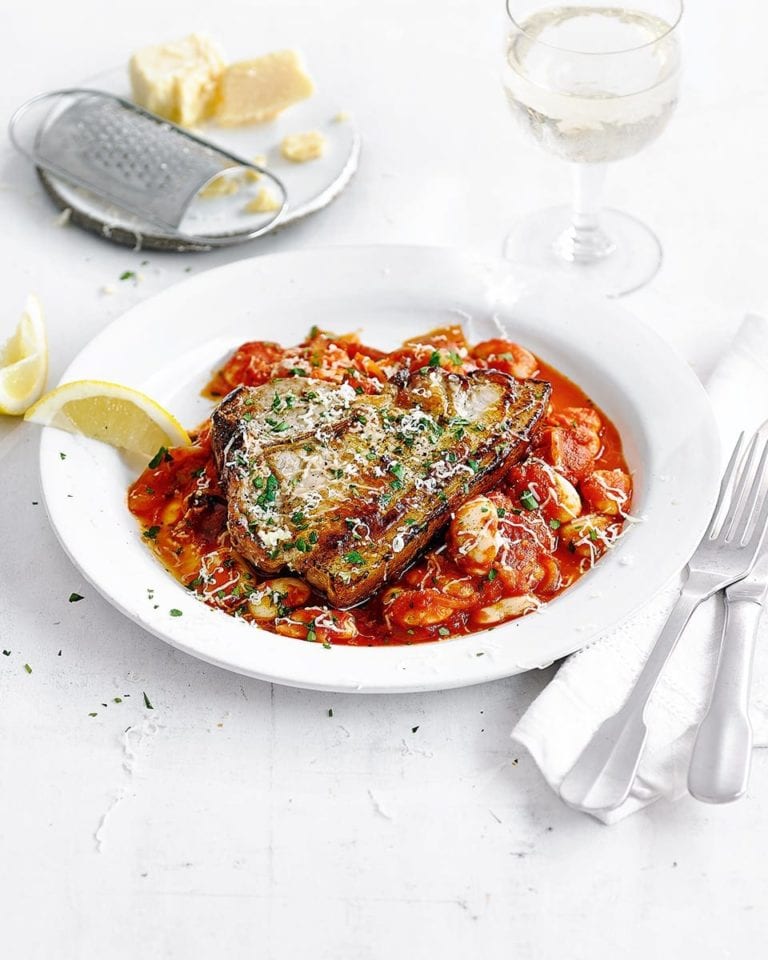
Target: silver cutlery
[(602, 776), (722, 751)]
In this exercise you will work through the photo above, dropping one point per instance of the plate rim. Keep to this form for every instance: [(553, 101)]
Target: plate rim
[(410, 658)]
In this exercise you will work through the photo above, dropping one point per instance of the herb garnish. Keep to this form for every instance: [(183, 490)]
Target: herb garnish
[(74, 597), (162, 454), (554, 524), (147, 704), (528, 500), (355, 557), (270, 492), (175, 612), (151, 533)]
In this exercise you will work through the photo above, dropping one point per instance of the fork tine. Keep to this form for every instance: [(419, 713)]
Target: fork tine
[(759, 528), (752, 488), (739, 496), (756, 503), (725, 484)]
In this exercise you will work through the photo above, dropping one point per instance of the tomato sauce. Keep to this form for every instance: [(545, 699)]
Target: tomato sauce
[(548, 521)]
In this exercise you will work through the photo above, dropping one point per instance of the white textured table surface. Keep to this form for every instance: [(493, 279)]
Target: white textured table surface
[(237, 819)]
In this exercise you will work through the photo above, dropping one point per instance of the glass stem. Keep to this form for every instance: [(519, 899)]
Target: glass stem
[(585, 240)]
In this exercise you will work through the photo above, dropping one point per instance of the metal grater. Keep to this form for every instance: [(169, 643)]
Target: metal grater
[(128, 156)]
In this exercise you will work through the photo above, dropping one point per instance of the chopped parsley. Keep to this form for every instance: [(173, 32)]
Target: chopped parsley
[(151, 533), (302, 546), (492, 574), (554, 524), (28, 668), (355, 557), (74, 597), (161, 455), (473, 465), (270, 491), (311, 634), (278, 426), (297, 372), (444, 632), (175, 612), (434, 360), (312, 537), (147, 704), (398, 471), (128, 275), (330, 711), (62, 456), (501, 512), (528, 500)]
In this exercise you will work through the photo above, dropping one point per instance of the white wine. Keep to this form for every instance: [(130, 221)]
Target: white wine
[(605, 102)]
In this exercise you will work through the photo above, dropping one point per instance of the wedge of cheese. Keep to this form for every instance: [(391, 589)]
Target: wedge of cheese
[(178, 81), (253, 91)]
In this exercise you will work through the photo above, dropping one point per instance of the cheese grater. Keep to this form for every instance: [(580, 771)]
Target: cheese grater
[(130, 157)]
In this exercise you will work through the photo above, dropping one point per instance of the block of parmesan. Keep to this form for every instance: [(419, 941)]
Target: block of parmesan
[(178, 81), (253, 91)]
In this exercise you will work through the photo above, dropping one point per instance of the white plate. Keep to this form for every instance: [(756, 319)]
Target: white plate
[(168, 346), (310, 186)]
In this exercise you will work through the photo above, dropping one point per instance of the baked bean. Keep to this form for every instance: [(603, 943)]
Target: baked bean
[(606, 491), (504, 609), (275, 595), (473, 536), (508, 357)]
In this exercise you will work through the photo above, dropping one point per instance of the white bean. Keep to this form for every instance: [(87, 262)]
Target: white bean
[(275, 595), (473, 537), (504, 609)]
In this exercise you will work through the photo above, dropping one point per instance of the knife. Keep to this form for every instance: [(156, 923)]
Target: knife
[(722, 752)]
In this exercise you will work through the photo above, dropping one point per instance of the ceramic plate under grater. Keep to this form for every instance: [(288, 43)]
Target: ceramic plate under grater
[(207, 222)]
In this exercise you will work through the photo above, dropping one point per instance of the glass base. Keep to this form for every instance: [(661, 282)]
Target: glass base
[(617, 262)]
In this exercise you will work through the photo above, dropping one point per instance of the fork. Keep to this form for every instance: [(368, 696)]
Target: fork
[(602, 776)]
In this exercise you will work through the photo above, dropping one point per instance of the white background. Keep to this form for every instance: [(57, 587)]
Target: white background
[(239, 819)]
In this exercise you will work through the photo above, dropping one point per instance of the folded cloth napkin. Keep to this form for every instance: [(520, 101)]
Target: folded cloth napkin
[(592, 684)]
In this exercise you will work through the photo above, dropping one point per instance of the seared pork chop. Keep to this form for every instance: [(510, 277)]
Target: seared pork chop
[(346, 489)]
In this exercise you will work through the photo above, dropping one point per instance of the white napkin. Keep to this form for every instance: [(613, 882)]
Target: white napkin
[(592, 684)]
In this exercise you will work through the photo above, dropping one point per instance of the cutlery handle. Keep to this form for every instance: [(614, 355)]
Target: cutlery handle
[(602, 777), (722, 753)]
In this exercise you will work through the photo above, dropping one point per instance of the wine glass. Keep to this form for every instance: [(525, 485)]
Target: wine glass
[(591, 83)]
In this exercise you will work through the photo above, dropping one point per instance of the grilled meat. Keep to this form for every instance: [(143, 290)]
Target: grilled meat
[(346, 489)]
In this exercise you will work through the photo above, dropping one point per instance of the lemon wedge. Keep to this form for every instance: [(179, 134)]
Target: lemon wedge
[(24, 361), (112, 413)]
